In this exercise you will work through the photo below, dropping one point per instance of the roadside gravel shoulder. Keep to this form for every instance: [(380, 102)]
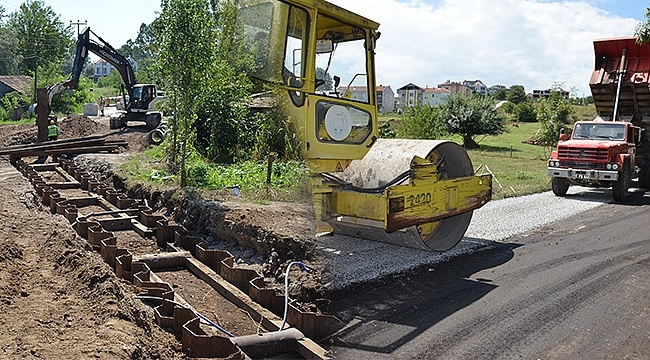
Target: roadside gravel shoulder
[(352, 261)]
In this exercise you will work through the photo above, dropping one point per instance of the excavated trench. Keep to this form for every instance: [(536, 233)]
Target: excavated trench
[(189, 277)]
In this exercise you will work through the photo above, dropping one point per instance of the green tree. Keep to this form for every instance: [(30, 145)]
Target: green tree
[(141, 50), (525, 112), (186, 62), (422, 122), (517, 94), (328, 84), (642, 31), (113, 81), (203, 65), (42, 38), (554, 114), (8, 48), (471, 116), (500, 94)]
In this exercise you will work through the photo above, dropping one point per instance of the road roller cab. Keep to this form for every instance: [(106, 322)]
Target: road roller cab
[(416, 193)]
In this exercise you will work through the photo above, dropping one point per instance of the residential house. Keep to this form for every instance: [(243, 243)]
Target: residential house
[(358, 93), (385, 96), (103, 68), (409, 95), (435, 96), (476, 86), (456, 88), (385, 99), (545, 94), (11, 83), (496, 88)]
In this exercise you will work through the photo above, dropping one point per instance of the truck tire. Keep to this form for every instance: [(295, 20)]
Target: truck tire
[(156, 136), (644, 175), (620, 187), (152, 121), (115, 122), (560, 186)]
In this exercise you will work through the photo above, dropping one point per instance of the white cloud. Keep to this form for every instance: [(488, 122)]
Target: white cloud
[(533, 43)]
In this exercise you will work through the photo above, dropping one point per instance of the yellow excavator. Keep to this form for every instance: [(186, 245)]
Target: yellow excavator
[(414, 193)]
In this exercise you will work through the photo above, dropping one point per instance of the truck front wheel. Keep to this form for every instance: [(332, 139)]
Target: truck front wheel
[(620, 187), (644, 175), (559, 186)]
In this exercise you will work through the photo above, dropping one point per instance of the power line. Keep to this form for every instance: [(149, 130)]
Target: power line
[(78, 23)]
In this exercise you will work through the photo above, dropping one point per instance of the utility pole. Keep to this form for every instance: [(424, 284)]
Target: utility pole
[(78, 23)]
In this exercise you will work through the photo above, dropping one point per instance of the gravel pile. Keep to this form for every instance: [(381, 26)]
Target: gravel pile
[(350, 260)]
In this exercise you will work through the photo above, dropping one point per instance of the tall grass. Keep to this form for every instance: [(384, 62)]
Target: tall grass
[(288, 179)]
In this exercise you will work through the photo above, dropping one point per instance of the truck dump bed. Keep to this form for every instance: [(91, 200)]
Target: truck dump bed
[(635, 95)]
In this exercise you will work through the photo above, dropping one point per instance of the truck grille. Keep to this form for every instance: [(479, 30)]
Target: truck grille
[(583, 154), (583, 165)]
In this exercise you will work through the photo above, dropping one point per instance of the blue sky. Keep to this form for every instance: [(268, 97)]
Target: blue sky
[(625, 8), (534, 43)]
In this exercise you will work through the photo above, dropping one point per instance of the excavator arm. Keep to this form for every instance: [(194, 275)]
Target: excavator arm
[(105, 51)]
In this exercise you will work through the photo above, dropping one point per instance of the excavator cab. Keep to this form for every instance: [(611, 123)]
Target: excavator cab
[(143, 95), (320, 58)]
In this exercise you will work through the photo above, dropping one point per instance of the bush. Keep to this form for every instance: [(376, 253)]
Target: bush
[(9, 102), (525, 112), (422, 122), (508, 108), (472, 116)]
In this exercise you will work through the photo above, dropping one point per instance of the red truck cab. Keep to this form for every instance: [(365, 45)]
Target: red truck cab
[(598, 154)]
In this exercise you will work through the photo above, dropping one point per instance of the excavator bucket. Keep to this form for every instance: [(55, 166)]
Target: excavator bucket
[(438, 197)]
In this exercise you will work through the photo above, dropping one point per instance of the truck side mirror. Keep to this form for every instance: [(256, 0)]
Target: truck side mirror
[(562, 137)]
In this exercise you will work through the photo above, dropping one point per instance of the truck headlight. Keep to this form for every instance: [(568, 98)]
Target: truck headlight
[(615, 166), (609, 166)]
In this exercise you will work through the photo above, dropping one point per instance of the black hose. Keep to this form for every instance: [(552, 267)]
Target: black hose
[(346, 185)]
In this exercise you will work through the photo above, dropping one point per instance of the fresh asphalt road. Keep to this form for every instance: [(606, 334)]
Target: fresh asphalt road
[(577, 288)]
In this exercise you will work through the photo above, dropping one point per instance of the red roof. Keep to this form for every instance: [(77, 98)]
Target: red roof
[(437, 90)]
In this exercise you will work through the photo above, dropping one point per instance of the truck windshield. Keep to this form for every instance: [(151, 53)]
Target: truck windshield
[(599, 131)]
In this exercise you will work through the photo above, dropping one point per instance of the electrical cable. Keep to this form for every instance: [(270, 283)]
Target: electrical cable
[(303, 267), (198, 314)]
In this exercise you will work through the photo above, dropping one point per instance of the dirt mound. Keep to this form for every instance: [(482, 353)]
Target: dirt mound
[(135, 136), (77, 126), (532, 141), (18, 134)]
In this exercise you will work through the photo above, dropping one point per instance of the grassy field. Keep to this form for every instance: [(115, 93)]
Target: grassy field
[(518, 168)]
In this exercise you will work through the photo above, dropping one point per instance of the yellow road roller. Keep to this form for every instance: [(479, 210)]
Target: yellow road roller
[(321, 58)]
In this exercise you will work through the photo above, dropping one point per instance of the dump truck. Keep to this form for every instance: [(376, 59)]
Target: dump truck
[(613, 149), (414, 193)]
